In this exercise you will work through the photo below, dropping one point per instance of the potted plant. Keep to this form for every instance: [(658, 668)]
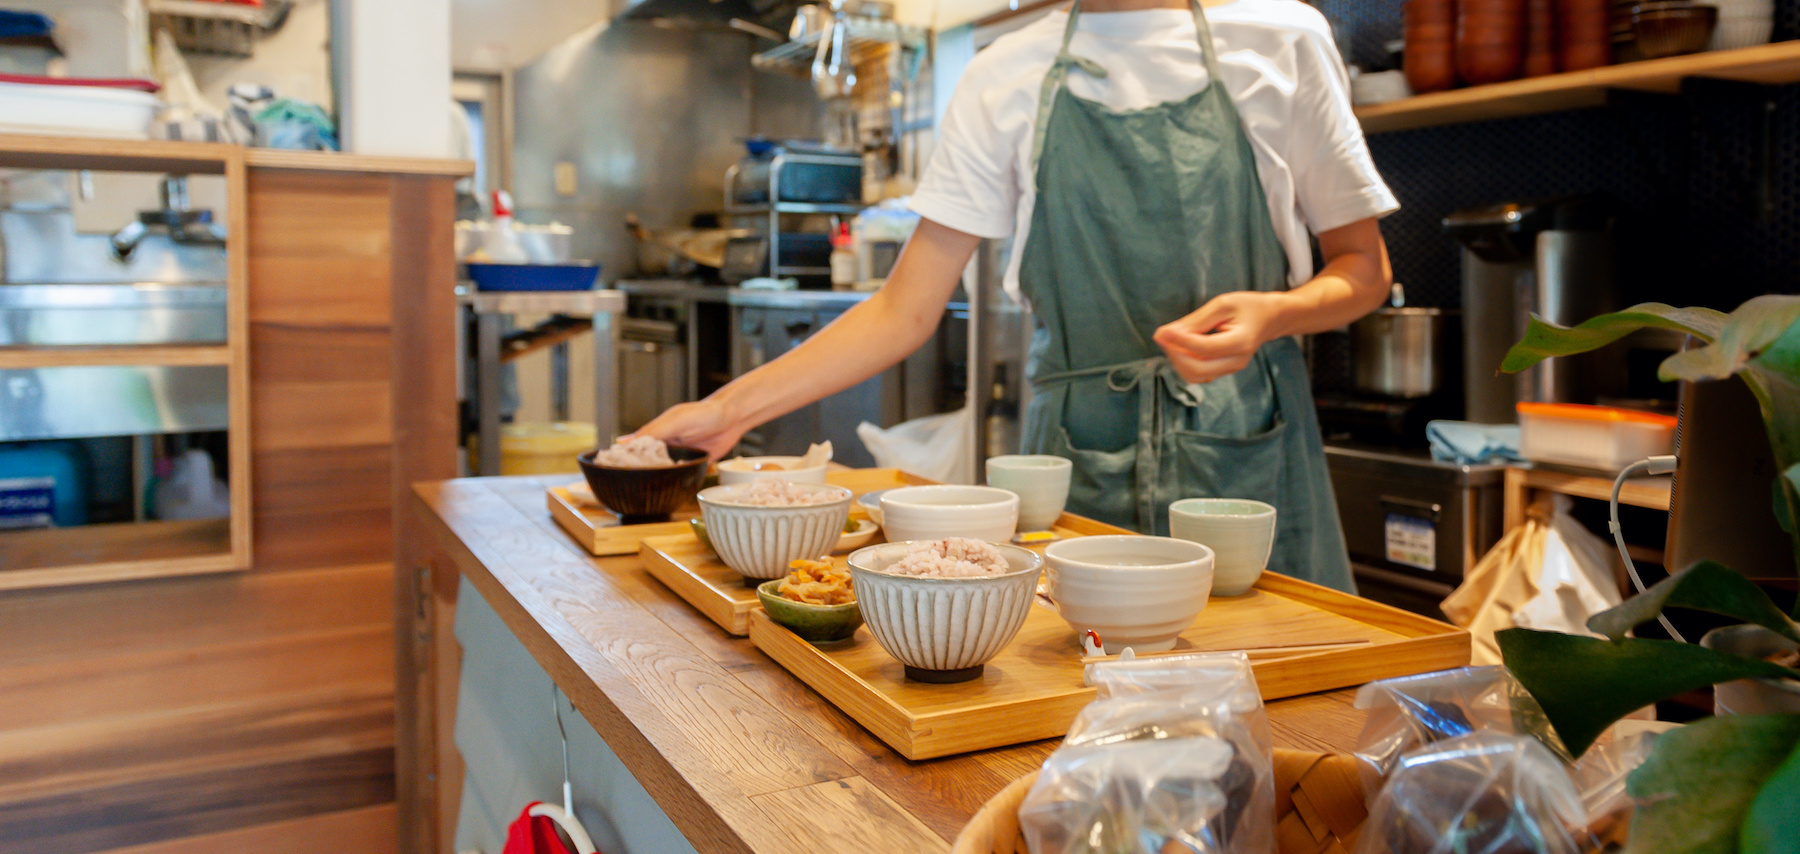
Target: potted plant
[(1723, 784)]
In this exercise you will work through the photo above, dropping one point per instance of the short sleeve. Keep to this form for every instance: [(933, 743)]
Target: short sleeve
[(971, 183), (1336, 180)]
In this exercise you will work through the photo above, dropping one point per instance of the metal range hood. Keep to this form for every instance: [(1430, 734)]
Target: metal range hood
[(711, 13)]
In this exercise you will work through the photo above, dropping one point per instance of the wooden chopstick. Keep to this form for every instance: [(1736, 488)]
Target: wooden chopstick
[(1255, 653)]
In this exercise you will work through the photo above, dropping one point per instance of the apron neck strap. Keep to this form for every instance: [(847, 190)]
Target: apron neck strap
[(1059, 70), (1202, 30)]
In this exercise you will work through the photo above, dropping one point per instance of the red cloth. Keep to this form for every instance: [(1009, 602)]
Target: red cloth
[(533, 834)]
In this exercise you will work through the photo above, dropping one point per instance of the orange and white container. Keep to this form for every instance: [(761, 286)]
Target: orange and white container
[(1598, 437)]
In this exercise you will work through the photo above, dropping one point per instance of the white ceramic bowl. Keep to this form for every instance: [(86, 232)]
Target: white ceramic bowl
[(870, 502), (943, 629), (1240, 532), (743, 470), (935, 512), (1138, 592), (760, 542)]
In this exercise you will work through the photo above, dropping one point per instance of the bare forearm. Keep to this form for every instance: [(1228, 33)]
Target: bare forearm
[(1354, 282), (865, 341)]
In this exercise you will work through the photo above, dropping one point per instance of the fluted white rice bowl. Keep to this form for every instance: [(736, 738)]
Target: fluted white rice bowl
[(943, 625), (1138, 592), (935, 512), (759, 542), (743, 470)]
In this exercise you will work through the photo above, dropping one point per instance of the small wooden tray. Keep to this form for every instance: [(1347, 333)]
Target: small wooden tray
[(1034, 688), (598, 530), (697, 575)]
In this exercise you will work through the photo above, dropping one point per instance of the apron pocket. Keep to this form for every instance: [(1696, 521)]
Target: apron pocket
[(1100, 484), (1208, 465)]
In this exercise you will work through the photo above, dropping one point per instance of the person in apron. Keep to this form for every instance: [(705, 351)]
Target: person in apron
[(1149, 264), (1186, 222)]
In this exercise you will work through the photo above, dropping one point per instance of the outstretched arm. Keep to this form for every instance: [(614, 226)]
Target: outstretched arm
[(865, 341), (1219, 338)]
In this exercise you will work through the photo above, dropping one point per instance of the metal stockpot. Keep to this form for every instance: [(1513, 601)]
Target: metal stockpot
[(1399, 352)]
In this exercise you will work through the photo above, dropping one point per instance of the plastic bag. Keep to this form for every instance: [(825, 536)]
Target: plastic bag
[(1549, 573), (1486, 793), (1174, 757), (1410, 712), (935, 447)]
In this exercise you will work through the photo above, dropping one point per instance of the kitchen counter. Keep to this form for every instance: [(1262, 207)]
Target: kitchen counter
[(738, 753), (693, 291)]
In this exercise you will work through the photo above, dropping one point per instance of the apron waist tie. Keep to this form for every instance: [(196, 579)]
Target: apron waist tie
[(1150, 378)]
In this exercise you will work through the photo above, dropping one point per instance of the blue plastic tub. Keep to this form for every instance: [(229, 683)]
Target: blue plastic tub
[(534, 277)]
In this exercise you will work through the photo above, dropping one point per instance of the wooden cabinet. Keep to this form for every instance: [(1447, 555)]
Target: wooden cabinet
[(256, 708)]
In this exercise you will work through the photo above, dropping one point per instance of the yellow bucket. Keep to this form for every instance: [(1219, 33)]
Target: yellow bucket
[(537, 447)]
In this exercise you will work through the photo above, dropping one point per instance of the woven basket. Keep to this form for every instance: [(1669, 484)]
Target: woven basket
[(1318, 809)]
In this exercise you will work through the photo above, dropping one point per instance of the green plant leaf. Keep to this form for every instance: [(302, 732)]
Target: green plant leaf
[(1748, 332), (1543, 340), (1584, 684), (1773, 824), (1706, 586), (1696, 789)]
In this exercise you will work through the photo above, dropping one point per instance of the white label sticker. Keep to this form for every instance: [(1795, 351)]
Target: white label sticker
[(1411, 541)]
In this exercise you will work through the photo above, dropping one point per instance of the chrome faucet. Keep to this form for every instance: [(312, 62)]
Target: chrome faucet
[(184, 224)]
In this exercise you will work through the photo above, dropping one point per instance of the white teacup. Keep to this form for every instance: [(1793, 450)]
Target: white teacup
[(1240, 532), (1041, 482), (1138, 592)]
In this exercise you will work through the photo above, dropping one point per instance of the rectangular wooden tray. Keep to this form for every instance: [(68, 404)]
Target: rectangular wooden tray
[(1034, 688), (598, 530), (697, 575)]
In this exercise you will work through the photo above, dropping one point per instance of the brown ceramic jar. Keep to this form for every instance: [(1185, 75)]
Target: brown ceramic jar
[(1430, 45)]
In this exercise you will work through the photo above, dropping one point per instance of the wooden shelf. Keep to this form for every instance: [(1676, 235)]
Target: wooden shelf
[(336, 161), (116, 552), (122, 155), (1774, 64), (1651, 491), (61, 357)]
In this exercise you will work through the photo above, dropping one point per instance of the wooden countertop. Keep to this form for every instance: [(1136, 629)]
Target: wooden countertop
[(740, 754), (54, 152)]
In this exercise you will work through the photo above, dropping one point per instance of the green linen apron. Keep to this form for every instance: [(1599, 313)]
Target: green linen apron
[(1141, 217)]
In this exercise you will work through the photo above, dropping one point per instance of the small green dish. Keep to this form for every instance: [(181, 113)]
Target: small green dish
[(814, 623)]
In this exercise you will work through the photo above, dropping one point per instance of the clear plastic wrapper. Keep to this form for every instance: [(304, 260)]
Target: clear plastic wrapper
[(1600, 778), (1174, 758), (1485, 793), (1413, 711)]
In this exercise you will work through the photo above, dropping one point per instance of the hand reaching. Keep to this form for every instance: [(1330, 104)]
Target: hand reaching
[(1220, 337), (703, 425)]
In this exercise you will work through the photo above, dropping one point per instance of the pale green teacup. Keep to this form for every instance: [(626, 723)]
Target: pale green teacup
[(1041, 481), (1240, 532)]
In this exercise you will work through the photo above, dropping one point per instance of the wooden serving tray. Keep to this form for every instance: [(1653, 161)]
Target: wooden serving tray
[(598, 530), (1034, 688), (697, 575)]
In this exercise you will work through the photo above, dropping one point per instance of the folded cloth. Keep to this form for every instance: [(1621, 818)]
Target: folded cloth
[(1470, 443)]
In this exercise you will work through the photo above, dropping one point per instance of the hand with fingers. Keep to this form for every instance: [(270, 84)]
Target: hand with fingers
[(1219, 338), (703, 425)]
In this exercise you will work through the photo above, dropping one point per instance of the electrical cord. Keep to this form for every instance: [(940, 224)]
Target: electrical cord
[(1652, 465)]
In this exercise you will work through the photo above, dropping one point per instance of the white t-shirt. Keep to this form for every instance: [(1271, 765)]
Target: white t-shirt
[(1280, 66)]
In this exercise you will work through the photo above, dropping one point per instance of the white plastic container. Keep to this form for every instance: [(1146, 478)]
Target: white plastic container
[(1597, 437), (76, 110)]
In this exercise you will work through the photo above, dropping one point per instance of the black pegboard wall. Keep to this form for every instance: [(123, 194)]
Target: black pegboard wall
[(1684, 170)]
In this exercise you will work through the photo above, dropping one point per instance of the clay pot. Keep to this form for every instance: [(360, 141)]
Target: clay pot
[(1430, 45), (1541, 50), (1584, 33), (1490, 40)]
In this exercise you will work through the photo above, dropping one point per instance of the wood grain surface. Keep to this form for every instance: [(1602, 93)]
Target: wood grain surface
[(1034, 688), (256, 710), (694, 712), (693, 572)]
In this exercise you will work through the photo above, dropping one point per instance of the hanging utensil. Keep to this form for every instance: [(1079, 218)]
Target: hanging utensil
[(834, 69)]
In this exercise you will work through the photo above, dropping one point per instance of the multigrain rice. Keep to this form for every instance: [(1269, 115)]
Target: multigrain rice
[(955, 557), (775, 492), (639, 452)]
